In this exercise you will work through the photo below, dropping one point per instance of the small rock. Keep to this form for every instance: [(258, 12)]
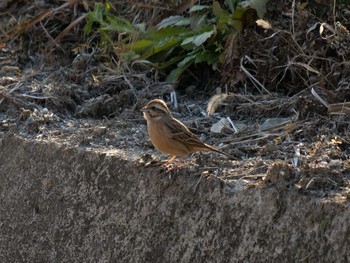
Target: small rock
[(273, 123), (69, 130), (222, 126), (280, 173), (31, 124), (45, 111), (191, 91), (24, 115), (269, 148), (79, 62), (4, 81), (99, 131)]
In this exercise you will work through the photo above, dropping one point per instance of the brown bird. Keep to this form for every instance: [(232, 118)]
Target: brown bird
[(169, 135)]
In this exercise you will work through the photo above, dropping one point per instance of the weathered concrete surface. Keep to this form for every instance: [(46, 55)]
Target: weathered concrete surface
[(69, 205)]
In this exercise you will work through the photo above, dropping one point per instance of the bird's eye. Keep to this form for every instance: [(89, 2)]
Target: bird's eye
[(154, 108)]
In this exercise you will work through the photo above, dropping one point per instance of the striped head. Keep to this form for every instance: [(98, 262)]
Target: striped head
[(156, 110)]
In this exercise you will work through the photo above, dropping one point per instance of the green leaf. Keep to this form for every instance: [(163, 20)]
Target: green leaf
[(98, 13), (175, 74), (120, 28), (198, 21), (187, 60), (238, 14), (117, 24), (219, 12), (173, 21), (141, 27), (169, 62), (160, 46), (198, 8), (200, 39), (140, 45), (181, 67), (197, 40), (107, 7), (130, 56), (95, 16), (209, 57), (87, 28), (161, 34), (187, 40), (232, 4)]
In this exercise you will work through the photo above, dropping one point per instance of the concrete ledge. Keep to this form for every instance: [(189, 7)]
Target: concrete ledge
[(61, 204)]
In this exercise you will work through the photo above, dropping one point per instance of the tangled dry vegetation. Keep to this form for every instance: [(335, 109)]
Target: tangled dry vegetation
[(283, 87)]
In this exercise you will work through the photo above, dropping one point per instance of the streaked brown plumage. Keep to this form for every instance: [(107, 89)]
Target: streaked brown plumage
[(169, 135)]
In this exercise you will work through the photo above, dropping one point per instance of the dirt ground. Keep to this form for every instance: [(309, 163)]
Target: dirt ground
[(67, 103)]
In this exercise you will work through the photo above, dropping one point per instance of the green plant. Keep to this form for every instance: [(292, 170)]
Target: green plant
[(109, 23), (177, 41)]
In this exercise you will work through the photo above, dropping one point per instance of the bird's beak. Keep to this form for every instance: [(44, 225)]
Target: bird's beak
[(144, 109)]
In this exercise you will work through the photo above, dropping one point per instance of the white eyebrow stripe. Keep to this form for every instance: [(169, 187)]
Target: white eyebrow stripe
[(159, 107)]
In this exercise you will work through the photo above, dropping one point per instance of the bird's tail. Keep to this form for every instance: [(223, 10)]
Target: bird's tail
[(221, 152)]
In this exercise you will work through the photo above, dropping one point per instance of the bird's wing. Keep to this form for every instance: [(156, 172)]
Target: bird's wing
[(180, 132)]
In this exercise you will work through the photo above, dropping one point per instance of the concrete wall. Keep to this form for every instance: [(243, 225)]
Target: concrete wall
[(59, 204)]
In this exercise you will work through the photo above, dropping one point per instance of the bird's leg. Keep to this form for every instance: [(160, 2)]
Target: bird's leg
[(169, 166), (170, 160)]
